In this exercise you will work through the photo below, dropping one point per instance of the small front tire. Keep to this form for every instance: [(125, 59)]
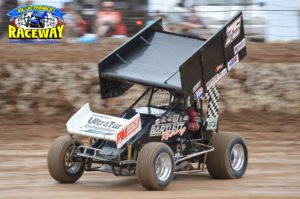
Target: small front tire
[(60, 162)]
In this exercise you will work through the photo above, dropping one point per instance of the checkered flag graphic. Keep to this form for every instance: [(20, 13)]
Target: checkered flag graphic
[(21, 21), (213, 102), (49, 21)]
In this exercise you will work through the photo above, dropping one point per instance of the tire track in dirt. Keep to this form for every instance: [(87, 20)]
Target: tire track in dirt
[(273, 170)]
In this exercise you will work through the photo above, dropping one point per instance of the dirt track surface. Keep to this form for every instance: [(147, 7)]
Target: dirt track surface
[(92, 53), (273, 170)]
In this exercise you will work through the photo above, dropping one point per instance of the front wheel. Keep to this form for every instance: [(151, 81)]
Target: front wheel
[(230, 157), (155, 166), (62, 164)]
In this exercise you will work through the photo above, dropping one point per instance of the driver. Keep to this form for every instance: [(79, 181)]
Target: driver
[(193, 124)]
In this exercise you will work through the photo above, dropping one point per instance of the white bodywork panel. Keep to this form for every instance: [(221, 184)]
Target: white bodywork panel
[(119, 130)]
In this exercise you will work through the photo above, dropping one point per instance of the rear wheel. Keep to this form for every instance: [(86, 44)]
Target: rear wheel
[(61, 162), (155, 166), (230, 157)]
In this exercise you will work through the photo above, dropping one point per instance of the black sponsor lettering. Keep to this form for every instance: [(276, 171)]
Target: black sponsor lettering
[(98, 122), (157, 130)]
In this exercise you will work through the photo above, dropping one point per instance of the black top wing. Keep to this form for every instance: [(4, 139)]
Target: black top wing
[(171, 61)]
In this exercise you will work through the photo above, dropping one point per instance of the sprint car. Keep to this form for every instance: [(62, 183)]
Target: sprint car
[(36, 20), (173, 125)]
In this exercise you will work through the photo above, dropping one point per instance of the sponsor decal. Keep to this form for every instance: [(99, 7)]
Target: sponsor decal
[(96, 125), (233, 31), (95, 130), (168, 134), (171, 118), (218, 68), (215, 79), (197, 86), (175, 118), (134, 125), (189, 101), (35, 22), (166, 129), (198, 93), (233, 62), (212, 123), (237, 48), (131, 129), (101, 124)]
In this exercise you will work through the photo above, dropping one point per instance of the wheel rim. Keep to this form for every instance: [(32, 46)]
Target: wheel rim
[(71, 166), (163, 166), (237, 157)]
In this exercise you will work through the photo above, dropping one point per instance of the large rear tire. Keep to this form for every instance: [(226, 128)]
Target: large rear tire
[(230, 158), (61, 166), (155, 166)]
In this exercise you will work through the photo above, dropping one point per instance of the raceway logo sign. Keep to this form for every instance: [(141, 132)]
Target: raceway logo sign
[(35, 22)]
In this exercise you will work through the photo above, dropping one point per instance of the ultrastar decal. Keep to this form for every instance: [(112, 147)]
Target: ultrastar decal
[(233, 31), (108, 124), (102, 125)]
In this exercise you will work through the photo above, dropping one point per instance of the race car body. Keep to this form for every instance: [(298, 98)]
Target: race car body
[(173, 125)]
